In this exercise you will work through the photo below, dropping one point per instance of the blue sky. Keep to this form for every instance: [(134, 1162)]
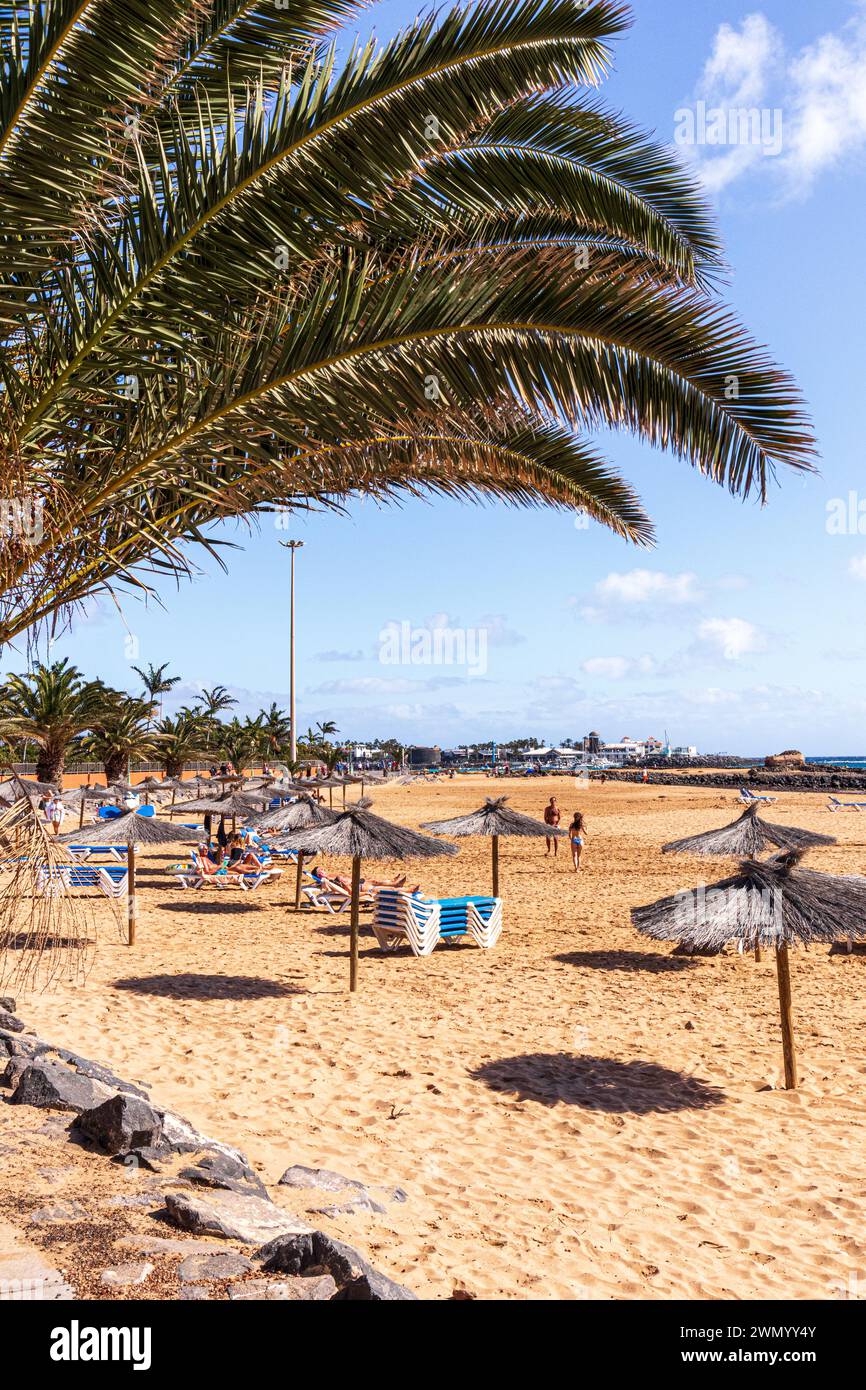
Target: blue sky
[(743, 629)]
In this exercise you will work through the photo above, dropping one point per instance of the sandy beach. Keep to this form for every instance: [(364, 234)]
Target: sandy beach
[(574, 1114)]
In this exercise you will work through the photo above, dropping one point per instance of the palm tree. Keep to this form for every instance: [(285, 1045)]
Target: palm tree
[(266, 279), (123, 734), (181, 740), (276, 727), (50, 706), (213, 702), (156, 683)]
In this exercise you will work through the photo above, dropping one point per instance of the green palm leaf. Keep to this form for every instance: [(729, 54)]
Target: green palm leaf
[(240, 276)]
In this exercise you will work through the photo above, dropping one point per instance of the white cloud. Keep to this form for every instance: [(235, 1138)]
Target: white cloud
[(356, 655), (618, 667), (829, 101), (387, 685), (499, 634), (857, 567), (641, 590), (732, 638), (815, 99), (740, 63)]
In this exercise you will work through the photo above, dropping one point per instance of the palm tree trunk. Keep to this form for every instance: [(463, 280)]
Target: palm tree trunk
[(50, 764)]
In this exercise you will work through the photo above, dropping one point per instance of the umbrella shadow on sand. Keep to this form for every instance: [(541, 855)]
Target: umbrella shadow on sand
[(626, 960), (597, 1083), (211, 908), (192, 986)]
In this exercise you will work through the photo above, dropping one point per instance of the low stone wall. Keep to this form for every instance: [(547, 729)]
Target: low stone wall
[(252, 1246), (755, 779)]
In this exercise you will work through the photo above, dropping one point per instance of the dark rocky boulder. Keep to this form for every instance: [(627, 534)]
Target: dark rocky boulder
[(18, 1044), (354, 1276), (232, 1215), (10, 1022), (223, 1171), (51, 1086), (120, 1123)]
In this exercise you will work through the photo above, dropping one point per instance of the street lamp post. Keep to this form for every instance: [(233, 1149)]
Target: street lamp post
[(292, 546)]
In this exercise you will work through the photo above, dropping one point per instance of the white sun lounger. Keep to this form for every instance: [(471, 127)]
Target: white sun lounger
[(407, 918), (112, 882), (837, 805)]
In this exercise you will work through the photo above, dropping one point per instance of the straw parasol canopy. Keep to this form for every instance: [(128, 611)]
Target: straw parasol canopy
[(769, 902), (494, 818), (748, 835), (299, 815), (245, 804), (360, 834), (132, 830), (330, 782), (82, 795), (11, 787)]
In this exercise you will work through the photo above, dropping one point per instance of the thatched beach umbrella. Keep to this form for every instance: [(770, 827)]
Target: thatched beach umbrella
[(748, 835), (768, 902), (133, 830), (360, 834), (330, 783), (245, 804), (299, 815), (82, 795), (494, 818), (150, 784), (11, 787)]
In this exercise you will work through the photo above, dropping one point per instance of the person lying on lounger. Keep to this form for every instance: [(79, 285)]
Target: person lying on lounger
[(241, 857)]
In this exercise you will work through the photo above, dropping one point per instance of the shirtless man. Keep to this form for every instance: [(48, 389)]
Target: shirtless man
[(552, 815)]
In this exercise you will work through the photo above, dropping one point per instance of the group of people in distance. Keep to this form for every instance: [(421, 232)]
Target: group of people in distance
[(576, 831)]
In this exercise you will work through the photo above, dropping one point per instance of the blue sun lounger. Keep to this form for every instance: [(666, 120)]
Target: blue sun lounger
[(86, 852), (110, 878)]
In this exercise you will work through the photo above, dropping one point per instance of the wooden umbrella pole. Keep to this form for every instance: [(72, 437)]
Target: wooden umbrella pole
[(496, 866), (298, 879), (783, 973), (331, 798), (356, 912), (130, 894), (758, 951), (81, 814)]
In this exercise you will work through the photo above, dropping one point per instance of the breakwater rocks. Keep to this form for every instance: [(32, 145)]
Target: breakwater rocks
[(249, 1246), (827, 781)]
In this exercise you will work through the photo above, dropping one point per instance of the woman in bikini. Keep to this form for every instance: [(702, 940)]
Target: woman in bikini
[(576, 838)]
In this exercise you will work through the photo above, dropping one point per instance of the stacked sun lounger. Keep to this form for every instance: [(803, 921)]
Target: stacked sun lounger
[(111, 879), (837, 805), (400, 917), (86, 852), (749, 797)]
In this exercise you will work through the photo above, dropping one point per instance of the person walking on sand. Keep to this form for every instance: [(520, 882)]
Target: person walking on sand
[(552, 816), (576, 838), (54, 813)]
